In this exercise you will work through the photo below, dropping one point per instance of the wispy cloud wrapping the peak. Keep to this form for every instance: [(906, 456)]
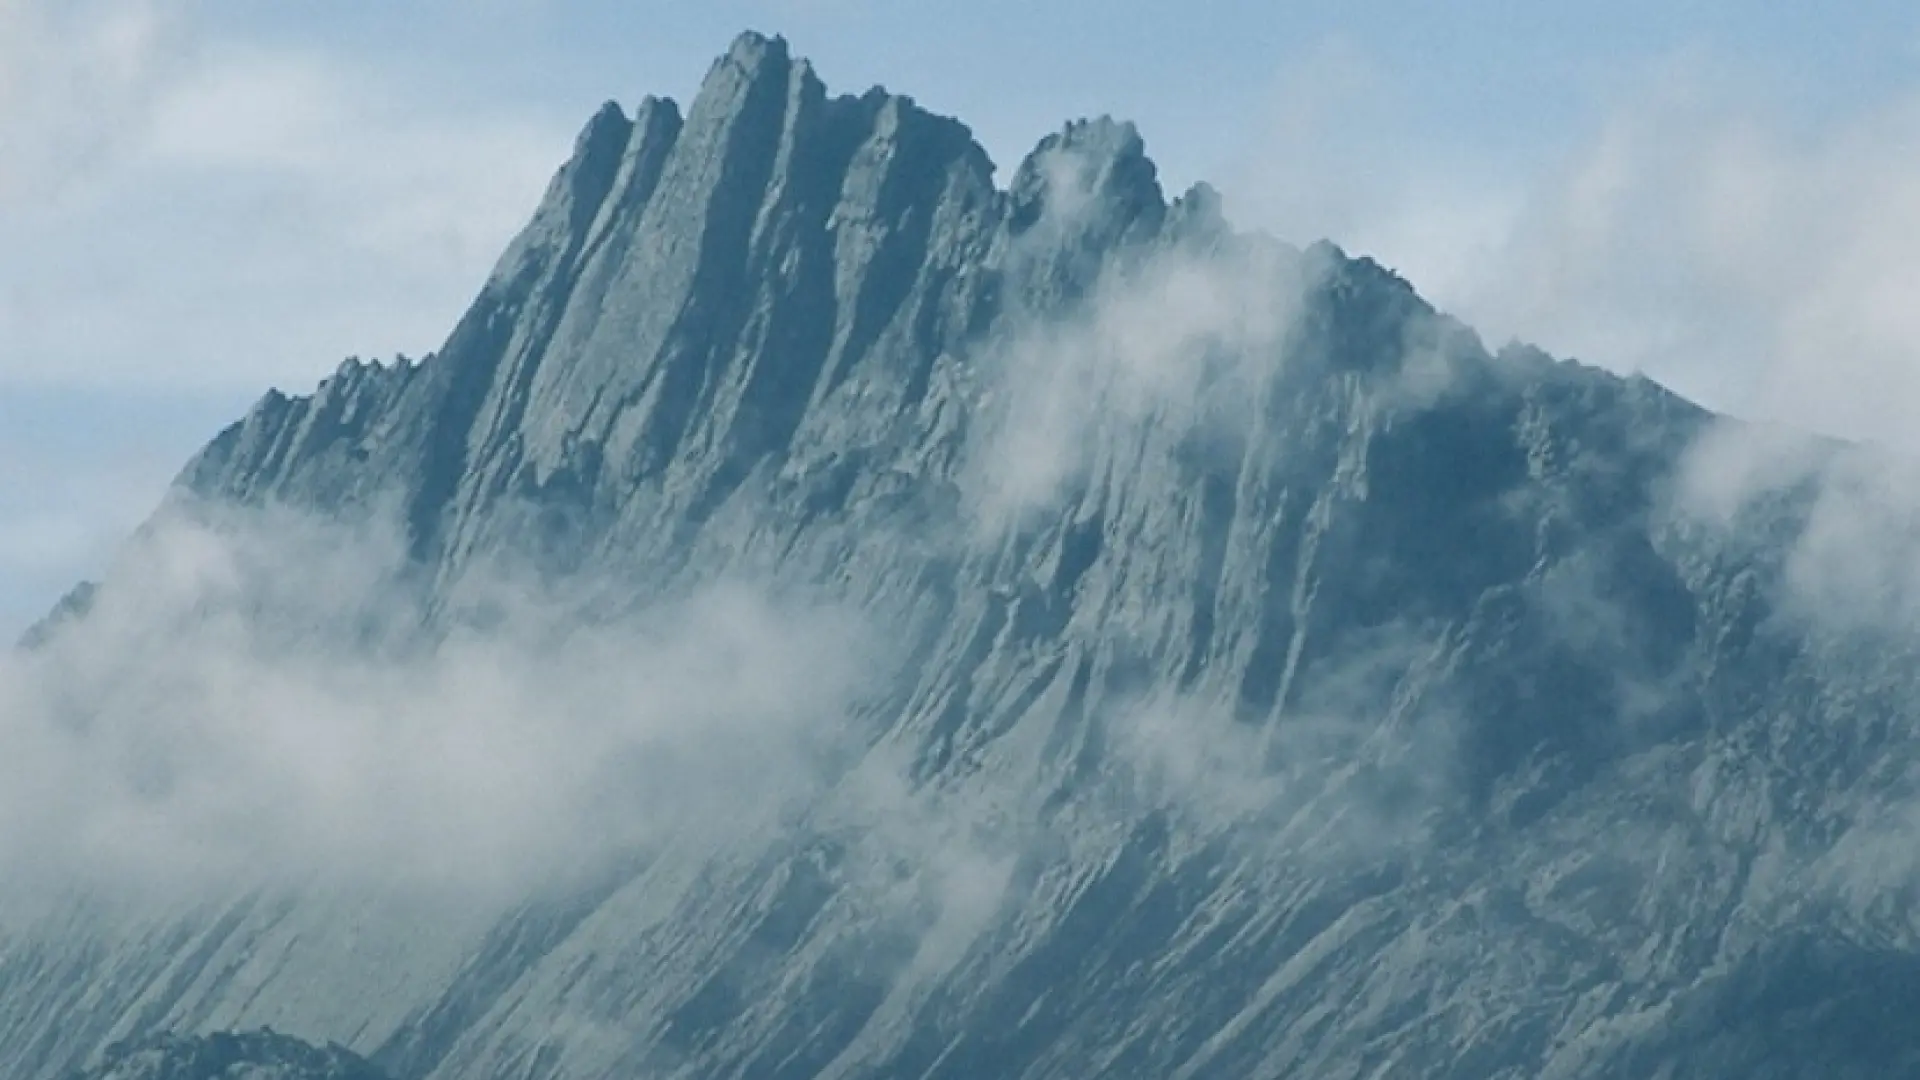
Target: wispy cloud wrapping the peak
[(1758, 264), (243, 706), (1698, 227), (1177, 326)]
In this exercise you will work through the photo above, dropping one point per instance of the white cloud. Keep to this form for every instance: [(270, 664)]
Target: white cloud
[(190, 216), (1140, 347), (75, 80), (193, 209), (245, 704), (1844, 518), (1713, 244), (78, 472), (1699, 230), (1152, 337)]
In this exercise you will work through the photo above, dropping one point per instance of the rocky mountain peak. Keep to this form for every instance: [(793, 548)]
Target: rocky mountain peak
[(1249, 674), (1089, 168)]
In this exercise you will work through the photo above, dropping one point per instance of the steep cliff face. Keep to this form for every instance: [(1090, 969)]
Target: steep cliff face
[(1285, 685)]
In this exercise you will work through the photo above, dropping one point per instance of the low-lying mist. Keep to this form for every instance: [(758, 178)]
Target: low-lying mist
[(254, 699)]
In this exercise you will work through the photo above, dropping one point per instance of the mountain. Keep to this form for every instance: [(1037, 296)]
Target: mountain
[(1212, 660)]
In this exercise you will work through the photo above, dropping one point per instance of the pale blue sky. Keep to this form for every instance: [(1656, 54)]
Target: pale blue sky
[(201, 199)]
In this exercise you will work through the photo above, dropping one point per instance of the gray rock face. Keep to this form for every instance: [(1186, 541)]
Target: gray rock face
[(1322, 694), (260, 1055)]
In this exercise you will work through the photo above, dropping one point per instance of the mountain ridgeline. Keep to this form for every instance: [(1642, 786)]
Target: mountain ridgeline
[(1258, 677)]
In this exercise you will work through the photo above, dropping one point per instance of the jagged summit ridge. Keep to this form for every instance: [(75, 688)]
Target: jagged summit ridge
[(705, 287)]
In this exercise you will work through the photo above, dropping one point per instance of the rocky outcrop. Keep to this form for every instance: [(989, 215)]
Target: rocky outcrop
[(1304, 689), (256, 1055)]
